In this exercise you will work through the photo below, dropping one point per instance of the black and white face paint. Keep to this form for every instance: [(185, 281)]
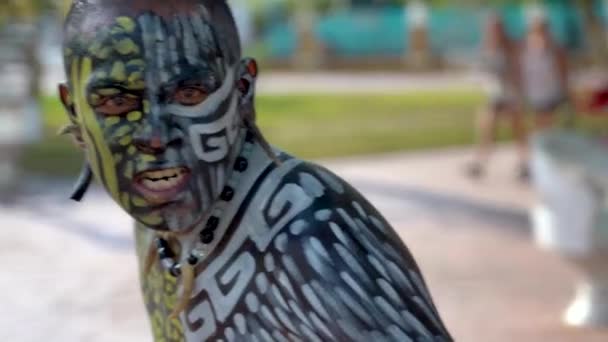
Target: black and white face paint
[(162, 95)]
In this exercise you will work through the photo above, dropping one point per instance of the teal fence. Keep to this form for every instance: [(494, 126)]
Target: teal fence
[(369, 32), (362, 33)]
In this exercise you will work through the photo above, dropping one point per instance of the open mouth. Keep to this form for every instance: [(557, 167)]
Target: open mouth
[(160, 186)]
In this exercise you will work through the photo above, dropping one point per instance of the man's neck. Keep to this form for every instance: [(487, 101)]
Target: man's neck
[(240, 180)]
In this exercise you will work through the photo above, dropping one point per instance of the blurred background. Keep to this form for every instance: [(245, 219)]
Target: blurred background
[(404, 99)]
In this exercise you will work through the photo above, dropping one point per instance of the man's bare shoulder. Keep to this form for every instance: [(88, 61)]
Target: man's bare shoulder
[(344, 264)]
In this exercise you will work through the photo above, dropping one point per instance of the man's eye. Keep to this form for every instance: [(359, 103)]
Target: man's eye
[(117, 105), (190, 96)]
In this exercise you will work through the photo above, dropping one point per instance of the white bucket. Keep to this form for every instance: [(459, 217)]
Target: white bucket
[(570, 172)]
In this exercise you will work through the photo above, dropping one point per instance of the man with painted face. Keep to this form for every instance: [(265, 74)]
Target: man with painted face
[(237, 241)]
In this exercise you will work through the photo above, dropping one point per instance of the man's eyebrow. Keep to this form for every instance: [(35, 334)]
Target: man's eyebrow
[(201, 68), (110, 83), (194, 73)]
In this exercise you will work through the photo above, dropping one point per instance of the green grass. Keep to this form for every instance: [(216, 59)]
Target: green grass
[(314, 126), (318, 126), (54, 155)]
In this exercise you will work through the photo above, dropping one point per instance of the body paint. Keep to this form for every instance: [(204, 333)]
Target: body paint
[(270, 247)]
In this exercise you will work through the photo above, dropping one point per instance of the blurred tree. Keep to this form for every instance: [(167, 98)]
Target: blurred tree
[(595, 30), (26, 10), (28, 13)]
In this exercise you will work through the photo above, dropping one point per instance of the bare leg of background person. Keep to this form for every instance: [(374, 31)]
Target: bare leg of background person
[(9, 173), (544, 121), (520, 133), (486, 130)]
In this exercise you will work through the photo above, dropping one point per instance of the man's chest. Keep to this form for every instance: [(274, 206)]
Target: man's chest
[(245, 292), (300, 260)]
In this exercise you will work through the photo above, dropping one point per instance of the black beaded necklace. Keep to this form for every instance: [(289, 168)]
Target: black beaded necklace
[(168, 258)]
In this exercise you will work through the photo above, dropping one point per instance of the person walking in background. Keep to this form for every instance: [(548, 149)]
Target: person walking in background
[(545, 74), (500, 62)]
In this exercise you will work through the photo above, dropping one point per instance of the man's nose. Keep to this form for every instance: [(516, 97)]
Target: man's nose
[(156, 137), (151, 141)]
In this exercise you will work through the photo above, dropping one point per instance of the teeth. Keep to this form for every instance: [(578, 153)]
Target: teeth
[(162, 180), (167, 173)]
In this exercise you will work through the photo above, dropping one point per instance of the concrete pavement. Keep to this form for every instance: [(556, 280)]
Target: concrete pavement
[(69, 273)]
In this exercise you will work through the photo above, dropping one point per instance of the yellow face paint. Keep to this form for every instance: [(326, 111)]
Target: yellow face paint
[(135, 76), (95, 98), (148, 158), (122, 131), (100, 51), (119, 72), (139, 202), (146, 105), (129, 170), (125, 200), (111, 121), (134, 116), (126, 140), (136, 63), (108, 91), (99, 155), (126, 23), (126, 46), (132, 150), (118, 158), (138, 85), (152, 220)]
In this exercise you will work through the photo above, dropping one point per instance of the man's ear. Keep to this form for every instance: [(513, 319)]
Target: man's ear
[(248, 74), (72, 129), (66, 99)]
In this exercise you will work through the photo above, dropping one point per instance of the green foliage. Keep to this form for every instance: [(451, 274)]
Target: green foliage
[(25, 10)]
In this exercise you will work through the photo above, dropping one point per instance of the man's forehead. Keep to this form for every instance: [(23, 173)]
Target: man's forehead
[(170, 35), (105, 12), (162, 8), (164, 50)]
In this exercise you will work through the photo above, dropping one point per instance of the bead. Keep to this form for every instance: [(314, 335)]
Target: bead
[(249, 137), (176, 270), (207, 236), (162, 254), (161, 243), (241, 164), (164, 250), (227, 194), (167, 263), (212, 223), (192, 260), (199, 250)]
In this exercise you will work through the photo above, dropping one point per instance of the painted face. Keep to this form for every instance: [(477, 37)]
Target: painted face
[(158, 107)]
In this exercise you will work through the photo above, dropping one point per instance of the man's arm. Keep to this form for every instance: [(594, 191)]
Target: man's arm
[(343, 272)]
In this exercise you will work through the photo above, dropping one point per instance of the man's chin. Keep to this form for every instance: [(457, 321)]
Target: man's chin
[(177, 219)]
